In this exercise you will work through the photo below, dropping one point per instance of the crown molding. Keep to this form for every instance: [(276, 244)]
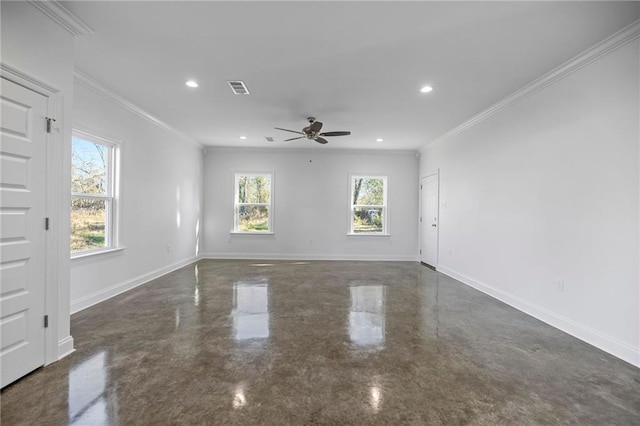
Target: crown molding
[(606, 46), (62, 16), (316, 150), (94, 85)]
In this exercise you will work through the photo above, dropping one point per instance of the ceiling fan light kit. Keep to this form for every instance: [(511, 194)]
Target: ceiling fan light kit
[(312, 132)]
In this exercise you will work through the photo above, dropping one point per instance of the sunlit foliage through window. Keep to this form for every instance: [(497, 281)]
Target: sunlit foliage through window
[(368, 204), (253, 202), (91, 194)]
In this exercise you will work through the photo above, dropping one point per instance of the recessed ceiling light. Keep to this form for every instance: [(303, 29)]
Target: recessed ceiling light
[(426, 89), (379, 140), (191, 83), (243, 138)]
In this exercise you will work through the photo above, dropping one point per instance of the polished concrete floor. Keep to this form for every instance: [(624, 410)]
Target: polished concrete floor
[(260, 342)]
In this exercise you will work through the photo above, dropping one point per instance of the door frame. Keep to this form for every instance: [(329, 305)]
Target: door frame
[(420, 235), (53, 209)]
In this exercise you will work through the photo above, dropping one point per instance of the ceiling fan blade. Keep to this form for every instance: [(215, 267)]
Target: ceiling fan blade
[(316, 126), (345, 133), (321, 140), (287, 130), (293, 139)]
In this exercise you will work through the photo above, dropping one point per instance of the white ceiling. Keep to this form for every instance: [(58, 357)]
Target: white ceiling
[(354, 65)]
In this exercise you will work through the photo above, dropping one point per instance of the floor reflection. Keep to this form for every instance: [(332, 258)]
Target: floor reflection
[(196, 290), (375, 397), (239, 400), (251, 309), (367, 315), (88, 402)]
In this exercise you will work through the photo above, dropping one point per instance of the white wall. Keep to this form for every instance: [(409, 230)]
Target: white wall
[(311, 204), (33, 44), (548, 189), (161, 195)]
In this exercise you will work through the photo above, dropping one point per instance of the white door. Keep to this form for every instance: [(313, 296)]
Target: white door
[(429, 220), (22, 230)]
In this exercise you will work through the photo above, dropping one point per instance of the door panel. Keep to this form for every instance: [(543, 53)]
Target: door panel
[(22, 233), (429, 220)]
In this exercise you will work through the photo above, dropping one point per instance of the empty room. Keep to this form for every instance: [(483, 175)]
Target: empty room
[(320, 212)]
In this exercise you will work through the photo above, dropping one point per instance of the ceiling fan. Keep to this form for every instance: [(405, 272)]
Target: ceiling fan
[(312, 132)]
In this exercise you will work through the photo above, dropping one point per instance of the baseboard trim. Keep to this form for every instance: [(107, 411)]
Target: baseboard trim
[(585, 333), (289, 256), (65, 347), (107, 293)]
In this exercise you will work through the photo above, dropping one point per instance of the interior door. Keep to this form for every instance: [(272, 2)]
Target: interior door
[(22, 230), (429, 220)]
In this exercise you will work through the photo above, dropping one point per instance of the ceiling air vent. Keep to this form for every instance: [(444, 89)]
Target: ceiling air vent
[(269, 138), (238, 87)]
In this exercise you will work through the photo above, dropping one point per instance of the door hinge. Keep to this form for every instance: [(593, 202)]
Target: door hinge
[(420, 220), (46, 223), (420, 186), (49, 120), (46, 321), (420, 251)]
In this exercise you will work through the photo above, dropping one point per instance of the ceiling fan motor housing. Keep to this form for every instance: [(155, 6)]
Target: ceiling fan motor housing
[(312, 132)]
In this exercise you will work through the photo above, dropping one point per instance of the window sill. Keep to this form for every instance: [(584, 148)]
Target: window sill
[(363, 234), (92, 253), (251, 233)]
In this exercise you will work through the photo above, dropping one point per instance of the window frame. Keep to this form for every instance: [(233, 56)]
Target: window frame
[(384, 206), (237, 204), (111, 196)]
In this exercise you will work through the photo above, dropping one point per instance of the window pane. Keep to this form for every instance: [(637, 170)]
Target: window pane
[(88, 167), (368, 191), (253, 218), (367, 219), (88, 218), (254, 189)]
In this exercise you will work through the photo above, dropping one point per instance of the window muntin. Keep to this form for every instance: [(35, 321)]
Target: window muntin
[(253, 206), (93, 184), (368, 205)]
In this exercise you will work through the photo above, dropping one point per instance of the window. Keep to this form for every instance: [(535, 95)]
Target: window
[(93, 188), (368, 205), (253, 203)]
